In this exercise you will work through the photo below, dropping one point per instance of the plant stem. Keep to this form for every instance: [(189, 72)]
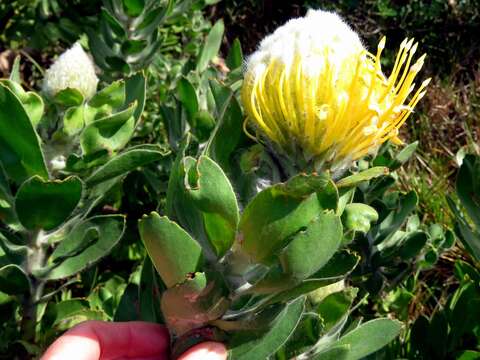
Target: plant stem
[(29, 314), (35, 260)]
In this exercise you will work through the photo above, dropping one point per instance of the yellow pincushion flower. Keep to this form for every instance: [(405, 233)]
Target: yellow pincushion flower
[(312, 90)]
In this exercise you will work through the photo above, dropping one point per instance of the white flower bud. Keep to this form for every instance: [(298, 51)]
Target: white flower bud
[(73, 69), (58, 163)]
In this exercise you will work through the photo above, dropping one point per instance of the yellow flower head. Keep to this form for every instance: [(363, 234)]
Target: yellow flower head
[(312, 90)]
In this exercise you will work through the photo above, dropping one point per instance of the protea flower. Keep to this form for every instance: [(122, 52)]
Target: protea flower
[(313, 92), (73, 69)]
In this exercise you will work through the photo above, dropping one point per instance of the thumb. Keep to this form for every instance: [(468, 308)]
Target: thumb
[(206, 351)]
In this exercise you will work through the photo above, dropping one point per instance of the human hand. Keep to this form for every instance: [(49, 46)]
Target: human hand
[(98, 340)]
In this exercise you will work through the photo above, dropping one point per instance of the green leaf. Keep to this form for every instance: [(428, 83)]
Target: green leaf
[(202, 123), (328, 197), (127, 309), (468, 187), (228, 133), (312, 248), (173, 252), (378, 188), (47, 204), (150, 293), (68, 313), (99, 49), (340, 265), (69, 97), (154, 18), (369, 174), (389, 249), (107, 295), (469, 238), (61, 311), (419, 337), (211, 46), (438, 335), (463, 312), (175, 122), (235, 55), (222, 95), (413, 224), (212, 193), (113, 96), (107, 229), (13, 280), (357, 217), (464, 270), (277, 213), (111, 133), (431, 257), (179, 204), (135, 91), (73, 120), (403, 156), (201, 199), (125, 162), (20, 151), (336, 269), (15, 251), (280, 332), (257, 322), (305, 287), (81, 237), (334, 307), (113, 24), (132, 47), (7, 212), (333, 353), (134, 7), (187, 96), (412, 245), (31, 101), (469, 355), (15, 73), (369, 337), (304, 338), (397, 217), (77, 163)]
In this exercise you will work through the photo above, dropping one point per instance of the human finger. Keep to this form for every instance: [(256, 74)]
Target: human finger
[(206, 351), (98, 340)]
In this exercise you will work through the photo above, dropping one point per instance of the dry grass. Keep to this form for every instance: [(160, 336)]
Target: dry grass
[(447, 121)]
